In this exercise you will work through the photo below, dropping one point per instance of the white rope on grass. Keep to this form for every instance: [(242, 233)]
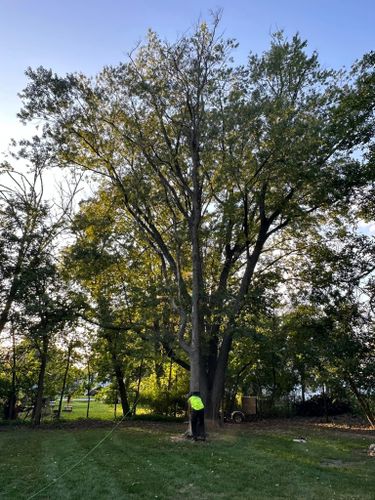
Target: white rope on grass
[(81, 459)]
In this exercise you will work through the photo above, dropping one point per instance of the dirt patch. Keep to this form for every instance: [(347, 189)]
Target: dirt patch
[(345, 423), (180, 438), (332, 463)]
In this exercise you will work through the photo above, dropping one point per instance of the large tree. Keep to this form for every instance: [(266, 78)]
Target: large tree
[(213, 163)]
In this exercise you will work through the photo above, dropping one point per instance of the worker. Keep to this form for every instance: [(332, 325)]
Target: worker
[(196, 408)]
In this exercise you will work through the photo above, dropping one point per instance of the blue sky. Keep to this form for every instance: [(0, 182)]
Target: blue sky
[(84, 35)]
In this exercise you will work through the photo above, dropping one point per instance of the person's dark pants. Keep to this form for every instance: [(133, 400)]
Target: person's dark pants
[(197, 424)]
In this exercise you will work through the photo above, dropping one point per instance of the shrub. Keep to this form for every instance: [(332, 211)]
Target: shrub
[(164, 403), (320, 405)]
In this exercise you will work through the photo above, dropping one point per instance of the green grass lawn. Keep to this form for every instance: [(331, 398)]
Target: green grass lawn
[(146, 461), (98, 410)]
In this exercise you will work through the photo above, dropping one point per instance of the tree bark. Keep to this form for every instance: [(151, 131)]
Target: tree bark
[(70, 347), (195, 353), (12, 414), (363, 403), (4, 315), (37, 411), (139, 386), (197, 320), (88, 388), (222, 361), (303, 385), (119, 373)]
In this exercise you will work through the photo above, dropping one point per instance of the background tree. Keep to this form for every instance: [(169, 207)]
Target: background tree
[(30, 229), (106, 266), (332, 323), (23, 232), (69, 385)]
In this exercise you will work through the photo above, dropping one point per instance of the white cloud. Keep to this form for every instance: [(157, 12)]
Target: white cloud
[(367, 228)]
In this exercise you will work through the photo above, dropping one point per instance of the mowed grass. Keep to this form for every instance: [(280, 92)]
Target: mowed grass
[(105, 411), (98, 410), (146, 461)]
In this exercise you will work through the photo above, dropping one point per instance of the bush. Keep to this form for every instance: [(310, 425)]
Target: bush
[(164, 403), (279, 408), (320, 405)]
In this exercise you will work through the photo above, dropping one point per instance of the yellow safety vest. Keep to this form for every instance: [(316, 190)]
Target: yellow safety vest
[(196, 403)]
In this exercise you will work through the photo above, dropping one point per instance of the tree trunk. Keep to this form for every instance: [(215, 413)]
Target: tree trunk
[(217, 390), (139, 387), (363, 403), (4, 315), (303, 386), (170, 375), (88, 388), (274, 381), (119, 373), (11, 413), (37, 411), (325, 403), (64, 380), (197, 319)]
